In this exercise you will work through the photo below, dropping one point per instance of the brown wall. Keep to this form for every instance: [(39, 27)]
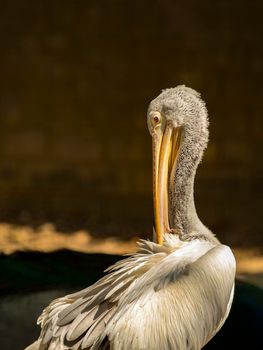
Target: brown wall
[(76, 79)]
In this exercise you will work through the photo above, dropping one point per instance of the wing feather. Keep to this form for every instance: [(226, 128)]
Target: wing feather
[(78, 319), (96, 329), (81, 323), (70, 312)]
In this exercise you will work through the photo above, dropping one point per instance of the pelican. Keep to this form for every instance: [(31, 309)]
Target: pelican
[(174, 293)]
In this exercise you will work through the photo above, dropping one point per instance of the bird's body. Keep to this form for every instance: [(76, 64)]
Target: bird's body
[(173, 294)]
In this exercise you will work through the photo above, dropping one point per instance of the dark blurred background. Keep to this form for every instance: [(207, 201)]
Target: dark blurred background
[(76, 80)]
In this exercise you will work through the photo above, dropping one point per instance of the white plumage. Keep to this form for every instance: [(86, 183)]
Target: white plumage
[(174, 296), (171, 295)]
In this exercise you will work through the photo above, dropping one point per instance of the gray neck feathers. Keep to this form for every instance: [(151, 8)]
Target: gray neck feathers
[(193, 142), (182, 206)]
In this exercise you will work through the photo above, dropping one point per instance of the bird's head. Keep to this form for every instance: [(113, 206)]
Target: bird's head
[(177, 121)]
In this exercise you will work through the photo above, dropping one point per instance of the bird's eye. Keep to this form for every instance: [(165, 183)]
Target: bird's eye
[(156, 118)]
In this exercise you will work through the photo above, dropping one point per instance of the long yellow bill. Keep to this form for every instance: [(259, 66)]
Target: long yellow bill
[(165, 151)]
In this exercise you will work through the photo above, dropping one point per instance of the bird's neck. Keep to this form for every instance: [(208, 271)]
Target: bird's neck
[(182, 206)]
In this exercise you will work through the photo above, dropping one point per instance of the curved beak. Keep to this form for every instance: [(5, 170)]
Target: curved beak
[(166, 145)]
